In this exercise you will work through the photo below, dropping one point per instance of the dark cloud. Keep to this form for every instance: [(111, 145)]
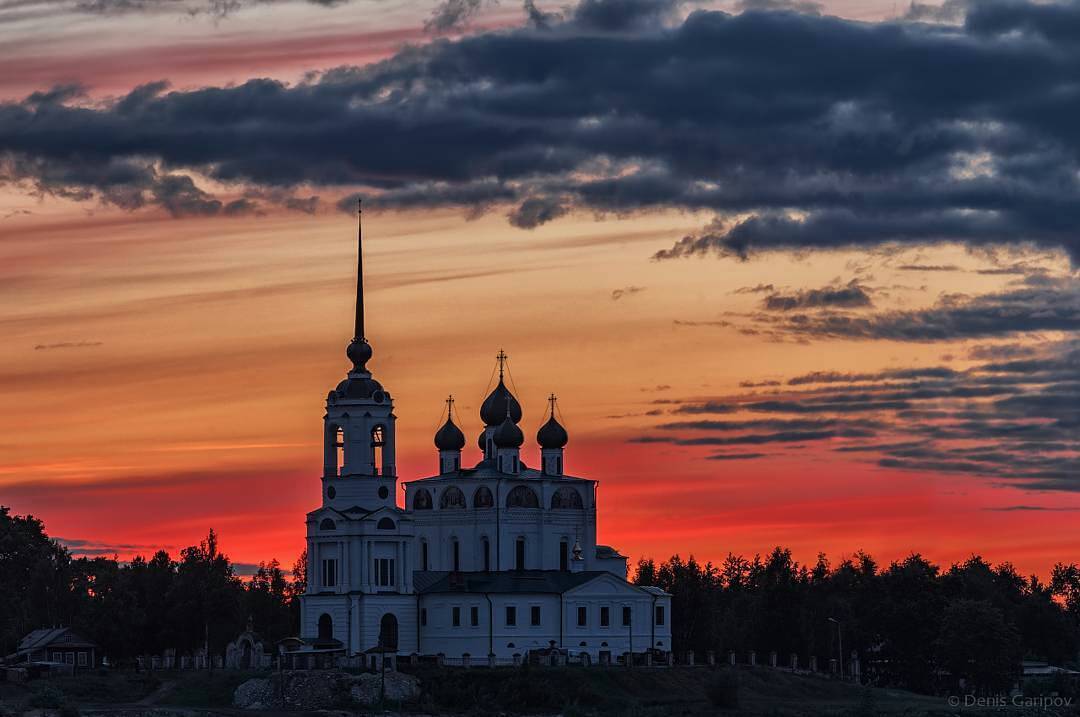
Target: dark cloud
[(452, 15), (67, 345), (1030, 508), (928, 267), (617, 294), (812, 8), (905, 133), (1014, 421), (735, 456), (852, 295), (1054, 306)]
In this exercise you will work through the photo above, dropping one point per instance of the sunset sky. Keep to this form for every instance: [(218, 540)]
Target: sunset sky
[(801, 274)]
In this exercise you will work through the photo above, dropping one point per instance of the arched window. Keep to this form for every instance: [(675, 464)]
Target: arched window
[(385, 524), (327, 524), (452, 497), (522, 497), (421, 499), (388, 637), (482, 498), (326, 627), (378, 442), (339, 450), (566, 498)]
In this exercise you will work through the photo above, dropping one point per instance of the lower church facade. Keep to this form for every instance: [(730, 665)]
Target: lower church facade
[(493, 560)]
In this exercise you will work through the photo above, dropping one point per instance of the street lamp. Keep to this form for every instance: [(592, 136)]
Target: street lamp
[(840, 638)]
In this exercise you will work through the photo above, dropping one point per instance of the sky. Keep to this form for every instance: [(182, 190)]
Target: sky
[(801, 274)]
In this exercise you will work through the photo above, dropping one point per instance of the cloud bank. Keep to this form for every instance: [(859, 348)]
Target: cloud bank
[(797, 130)]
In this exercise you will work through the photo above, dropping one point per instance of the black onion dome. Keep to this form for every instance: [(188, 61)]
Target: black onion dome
[(481, 441), (495, 407), (508, 435), (449, 437), (552, 434), (359, 352)]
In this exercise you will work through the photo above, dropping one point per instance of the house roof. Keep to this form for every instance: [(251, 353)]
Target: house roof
[(523, 581), (49, 636)]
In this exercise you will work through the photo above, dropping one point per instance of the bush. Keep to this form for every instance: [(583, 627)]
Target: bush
[(723, 690), (48, 697)]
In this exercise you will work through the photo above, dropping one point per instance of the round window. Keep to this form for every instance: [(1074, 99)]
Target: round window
[(330, 492), (383, 492)]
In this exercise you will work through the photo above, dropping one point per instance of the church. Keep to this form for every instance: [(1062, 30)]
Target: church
[(486, 562)]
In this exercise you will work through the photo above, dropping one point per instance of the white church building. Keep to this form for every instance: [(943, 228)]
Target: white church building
[(495, 559)]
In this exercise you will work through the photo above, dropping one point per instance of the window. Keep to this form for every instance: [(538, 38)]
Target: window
[(519, 554), (69, 658), (659, 614), (456, 616), (566, 499), (534, 616), (378, 442), (474, 616), (564, 555), (452, 497), (582, 616), (326, 627), (384, 572), (82, 659), (423, 617), (385, 524), (482, 498), (339, 450), (329, 572), (511, 616), (487, 554), (605, 616), (327, 524), (626, 616), (522, 497), (57, 656), (423, 555), (456, 549), (421, 499), (388, 631)]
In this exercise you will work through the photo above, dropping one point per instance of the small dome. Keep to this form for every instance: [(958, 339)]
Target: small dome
[(508, 435), (359, 352), (481, 441), (495, 407), (362, 388), (449, 437), (552, 434)]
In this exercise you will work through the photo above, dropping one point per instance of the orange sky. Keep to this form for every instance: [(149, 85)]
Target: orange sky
[(162, 377)]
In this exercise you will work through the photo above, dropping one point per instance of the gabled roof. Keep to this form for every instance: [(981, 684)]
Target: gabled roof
[(53, 636), (507, 581)]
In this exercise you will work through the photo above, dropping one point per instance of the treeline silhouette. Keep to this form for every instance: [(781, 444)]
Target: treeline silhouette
[(912, 624), (144, 606)]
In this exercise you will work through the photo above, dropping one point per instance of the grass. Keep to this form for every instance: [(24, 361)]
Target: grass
[(205, 689)]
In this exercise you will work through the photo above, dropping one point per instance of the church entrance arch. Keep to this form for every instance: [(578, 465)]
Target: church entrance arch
[(388, 631)]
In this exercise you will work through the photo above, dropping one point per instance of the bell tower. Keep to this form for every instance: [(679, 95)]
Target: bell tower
[(358, 428)]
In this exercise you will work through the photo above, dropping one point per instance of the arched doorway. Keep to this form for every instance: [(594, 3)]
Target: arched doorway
[(245, 656), (326, 627), (388, 631)]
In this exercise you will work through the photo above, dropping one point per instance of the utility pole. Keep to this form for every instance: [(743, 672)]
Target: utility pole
[(840, 639)]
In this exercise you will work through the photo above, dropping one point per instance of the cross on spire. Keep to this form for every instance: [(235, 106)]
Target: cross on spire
[(551, 399), (501, 358), (450, 407)]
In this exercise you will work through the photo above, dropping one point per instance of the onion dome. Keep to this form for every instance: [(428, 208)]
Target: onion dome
[(500, 404), (449, 437), (481, 441), (552, 434), (362, 388), (359, 352), (508, 435)]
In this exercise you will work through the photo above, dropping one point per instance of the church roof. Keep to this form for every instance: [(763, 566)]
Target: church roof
[(507, 581), (488, 469)]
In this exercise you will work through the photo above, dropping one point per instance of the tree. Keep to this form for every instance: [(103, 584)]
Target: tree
[(977, 645)]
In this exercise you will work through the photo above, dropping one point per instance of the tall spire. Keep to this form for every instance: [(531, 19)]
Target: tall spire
[(358, 327), (359, 350)]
